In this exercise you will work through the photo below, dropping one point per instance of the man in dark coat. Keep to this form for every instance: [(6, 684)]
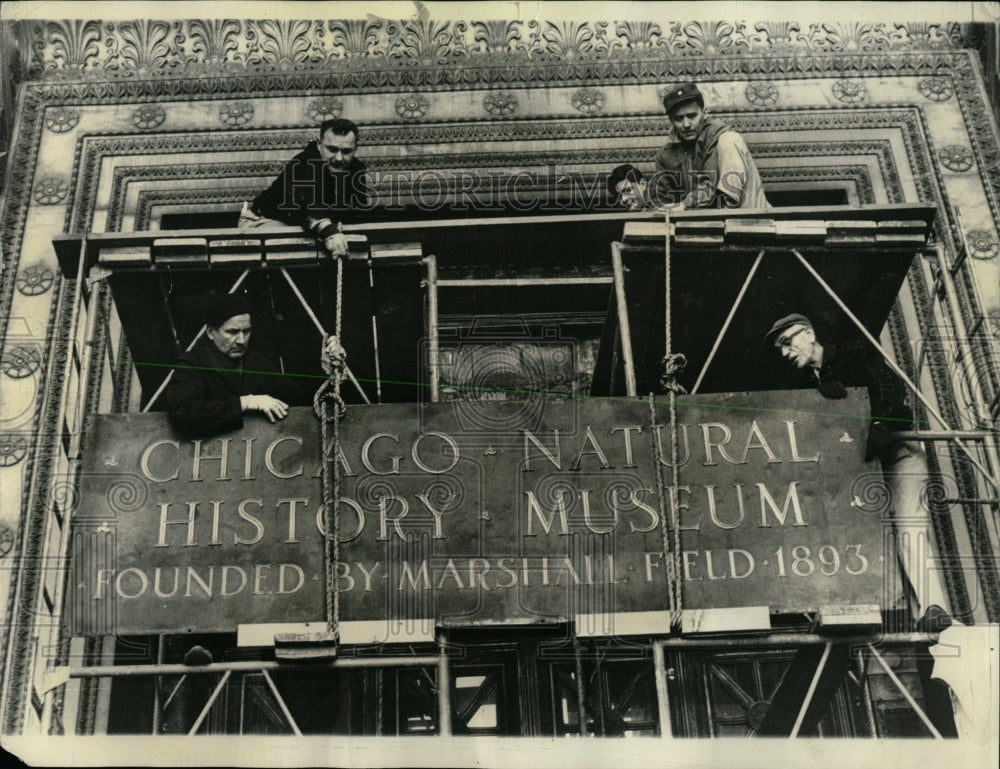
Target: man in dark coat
[(709, 164), (831, 368), (321, 188), (220, 380)]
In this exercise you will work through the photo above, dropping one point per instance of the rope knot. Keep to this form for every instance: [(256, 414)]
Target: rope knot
[(673, 364)]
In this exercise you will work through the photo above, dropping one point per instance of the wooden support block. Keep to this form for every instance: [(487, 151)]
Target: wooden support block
[(357, 247), (236, 251), (800, 230), (750, 229), (704, 228), (900, 239), (912, 226), (629, 623), (397, 252), (640, 233), (287, 250), (180, 251), (305, 646), (848, 618), (124, 256), (725, 620)]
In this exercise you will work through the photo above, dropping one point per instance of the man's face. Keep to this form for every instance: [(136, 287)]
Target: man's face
[(687, 119), (231, 337), (337, 150), (631, 194), (797, 345)]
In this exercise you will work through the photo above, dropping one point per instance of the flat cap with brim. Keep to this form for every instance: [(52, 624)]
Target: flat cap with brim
[(782, 323), (678, 94)]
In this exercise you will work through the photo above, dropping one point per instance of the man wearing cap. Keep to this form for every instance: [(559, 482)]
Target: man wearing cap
[(853, 363), (320, 189), (708, 165), (220, 379)]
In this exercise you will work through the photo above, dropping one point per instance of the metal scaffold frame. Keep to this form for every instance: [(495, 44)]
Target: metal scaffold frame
[(73, 407)]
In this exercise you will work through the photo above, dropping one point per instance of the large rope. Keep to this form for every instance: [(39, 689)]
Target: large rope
[(673, 364), (329, 392)]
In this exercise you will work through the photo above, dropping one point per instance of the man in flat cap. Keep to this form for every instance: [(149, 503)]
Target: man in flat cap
[(708, 165), (321, 188), (220, 379), (831, 368)]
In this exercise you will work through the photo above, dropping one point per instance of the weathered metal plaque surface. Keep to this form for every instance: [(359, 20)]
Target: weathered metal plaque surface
[(481, 512)]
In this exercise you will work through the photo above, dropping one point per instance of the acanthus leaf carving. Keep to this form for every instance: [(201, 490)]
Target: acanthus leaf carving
[(141, 45)]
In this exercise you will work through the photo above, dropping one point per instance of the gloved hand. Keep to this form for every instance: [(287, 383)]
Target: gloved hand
[(332, 353), (272, 408), (336, 244), (329, 232), (832, 389)]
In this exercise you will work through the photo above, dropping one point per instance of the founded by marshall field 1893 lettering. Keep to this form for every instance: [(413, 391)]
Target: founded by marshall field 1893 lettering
[(531, 524)]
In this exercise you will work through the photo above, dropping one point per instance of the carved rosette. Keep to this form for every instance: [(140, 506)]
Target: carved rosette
[(937, 88), (850, 91), (762, 94), (6, 539), (51, 191), (61, 120), (13, 449), (236, 114), (589, 101), (954, 157), (982, 244), (324, 109), (21, 361), (500, 103), (994, 318), (412, 106), (149, 116), (35, 280)]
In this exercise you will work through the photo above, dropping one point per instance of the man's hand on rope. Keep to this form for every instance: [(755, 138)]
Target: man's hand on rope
[(330, 233), (270, 407), (333, 355)]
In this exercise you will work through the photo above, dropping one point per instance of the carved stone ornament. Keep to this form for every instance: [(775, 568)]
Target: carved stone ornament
[(35, 280), (13, 449), (850, 91), (500, 103), (324, 109), (588, 101), (412, 106), (762, 94), (51, 191), (236, 114), (21, 361), (128, 48), (149, 116), (982, 244), (937, 88), (954, 157), (61, 120), (6, 539)]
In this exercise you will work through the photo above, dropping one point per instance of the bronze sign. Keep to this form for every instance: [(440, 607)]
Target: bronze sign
[(481, 512)]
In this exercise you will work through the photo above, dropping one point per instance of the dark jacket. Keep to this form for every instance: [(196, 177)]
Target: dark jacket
[(203, 397), (305, 189), (856, 364), (680, 167)]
